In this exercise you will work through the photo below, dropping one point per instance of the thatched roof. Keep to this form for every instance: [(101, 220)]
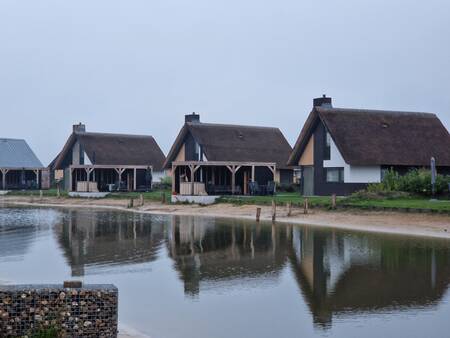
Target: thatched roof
[(221, 142), (115, 149), (375, 137)]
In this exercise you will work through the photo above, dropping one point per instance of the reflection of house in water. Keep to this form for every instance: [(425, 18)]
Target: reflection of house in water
[(213, 253), (98, 239), (352, 274), (19, 227)]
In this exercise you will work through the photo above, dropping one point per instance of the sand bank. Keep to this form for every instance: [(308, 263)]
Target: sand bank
[(415, 224)]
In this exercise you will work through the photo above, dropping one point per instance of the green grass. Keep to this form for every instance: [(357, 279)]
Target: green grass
[(406, 204), (282, 198), (45, 193), (412, 204), (403, 203), (148, 196)]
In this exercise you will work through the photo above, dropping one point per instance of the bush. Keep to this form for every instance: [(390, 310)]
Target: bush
[(419, 181), (416, 181), (165, 184), (379, 194), (287, 187)]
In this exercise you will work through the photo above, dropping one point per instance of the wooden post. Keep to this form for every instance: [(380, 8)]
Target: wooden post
[(174, 169), (40, 195), (289, 207), (58, 190), (258, 214), (4, 172), (333, 201), (141, 199), (70, 179), (253, 173), (131, 203), (305, 206), (88, 174), (274, 211), (134, 179), (163, 198), (233, 180), (191, 167), (36, 172)]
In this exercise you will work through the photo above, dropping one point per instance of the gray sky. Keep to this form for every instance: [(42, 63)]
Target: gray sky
[(137, 66)]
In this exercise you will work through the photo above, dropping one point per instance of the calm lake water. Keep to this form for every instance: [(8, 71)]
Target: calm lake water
[(204, 277)]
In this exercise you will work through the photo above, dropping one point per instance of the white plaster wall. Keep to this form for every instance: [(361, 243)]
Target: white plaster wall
[(352, 174), (87, 161), (362, 174)]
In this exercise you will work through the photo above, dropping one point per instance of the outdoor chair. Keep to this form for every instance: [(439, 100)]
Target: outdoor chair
[(270, 190), (253, 188)]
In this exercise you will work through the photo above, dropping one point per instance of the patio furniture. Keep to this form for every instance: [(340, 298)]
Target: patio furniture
[(253, 188), (270, 189)]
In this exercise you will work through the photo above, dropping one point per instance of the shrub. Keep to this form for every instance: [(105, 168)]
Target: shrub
[(165, 184), (287, 187), (416, 181), (419, 182)]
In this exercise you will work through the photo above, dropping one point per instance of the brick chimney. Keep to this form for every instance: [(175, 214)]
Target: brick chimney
[(80, 128), (323, 101), (192, 118)]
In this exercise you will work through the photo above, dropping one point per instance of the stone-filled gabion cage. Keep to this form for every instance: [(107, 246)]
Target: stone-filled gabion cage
[(89, 311)]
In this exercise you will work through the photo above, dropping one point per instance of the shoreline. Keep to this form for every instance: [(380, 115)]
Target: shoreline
[(388, 222)]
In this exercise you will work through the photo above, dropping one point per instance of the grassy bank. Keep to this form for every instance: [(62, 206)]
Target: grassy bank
[(417, 204), (413, 204)]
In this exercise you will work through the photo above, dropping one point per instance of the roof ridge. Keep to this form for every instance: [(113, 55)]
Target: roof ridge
[(11, 139), (112, 134), (375, 111), (228, 125)]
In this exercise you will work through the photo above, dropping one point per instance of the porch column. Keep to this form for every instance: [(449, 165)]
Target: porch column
[(174, 170), (119, 172), (134, 179), (4, 172), (253, 173), (191, 168), (88, 174), (70, 179), (37, 177), (233, 170)]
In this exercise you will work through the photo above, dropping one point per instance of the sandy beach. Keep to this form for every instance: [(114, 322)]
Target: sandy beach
[(415, 224)]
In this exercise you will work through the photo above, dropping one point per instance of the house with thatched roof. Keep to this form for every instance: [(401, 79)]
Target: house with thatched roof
[(218, 159), (19, 166), (97, 162), (342, 150)]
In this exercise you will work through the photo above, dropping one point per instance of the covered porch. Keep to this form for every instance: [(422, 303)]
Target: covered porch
[(202, 178), (20, 178), (109, 178)]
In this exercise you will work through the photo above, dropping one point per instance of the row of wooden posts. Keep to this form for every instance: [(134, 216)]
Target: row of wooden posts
[(289, 208)]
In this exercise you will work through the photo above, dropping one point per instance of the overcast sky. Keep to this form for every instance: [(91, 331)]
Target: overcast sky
[(137, 66)]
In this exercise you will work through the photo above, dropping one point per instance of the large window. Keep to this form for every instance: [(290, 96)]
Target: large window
[(335, 175), (327, 149)]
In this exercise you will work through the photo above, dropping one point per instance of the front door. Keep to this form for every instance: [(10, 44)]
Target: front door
[(308, 181)]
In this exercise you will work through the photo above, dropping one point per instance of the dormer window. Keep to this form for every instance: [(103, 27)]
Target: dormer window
[(327, 148)]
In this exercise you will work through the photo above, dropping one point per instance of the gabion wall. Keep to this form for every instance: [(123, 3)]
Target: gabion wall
[(90, 311)]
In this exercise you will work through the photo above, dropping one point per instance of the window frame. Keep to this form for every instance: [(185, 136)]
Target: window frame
[(340, 174)]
